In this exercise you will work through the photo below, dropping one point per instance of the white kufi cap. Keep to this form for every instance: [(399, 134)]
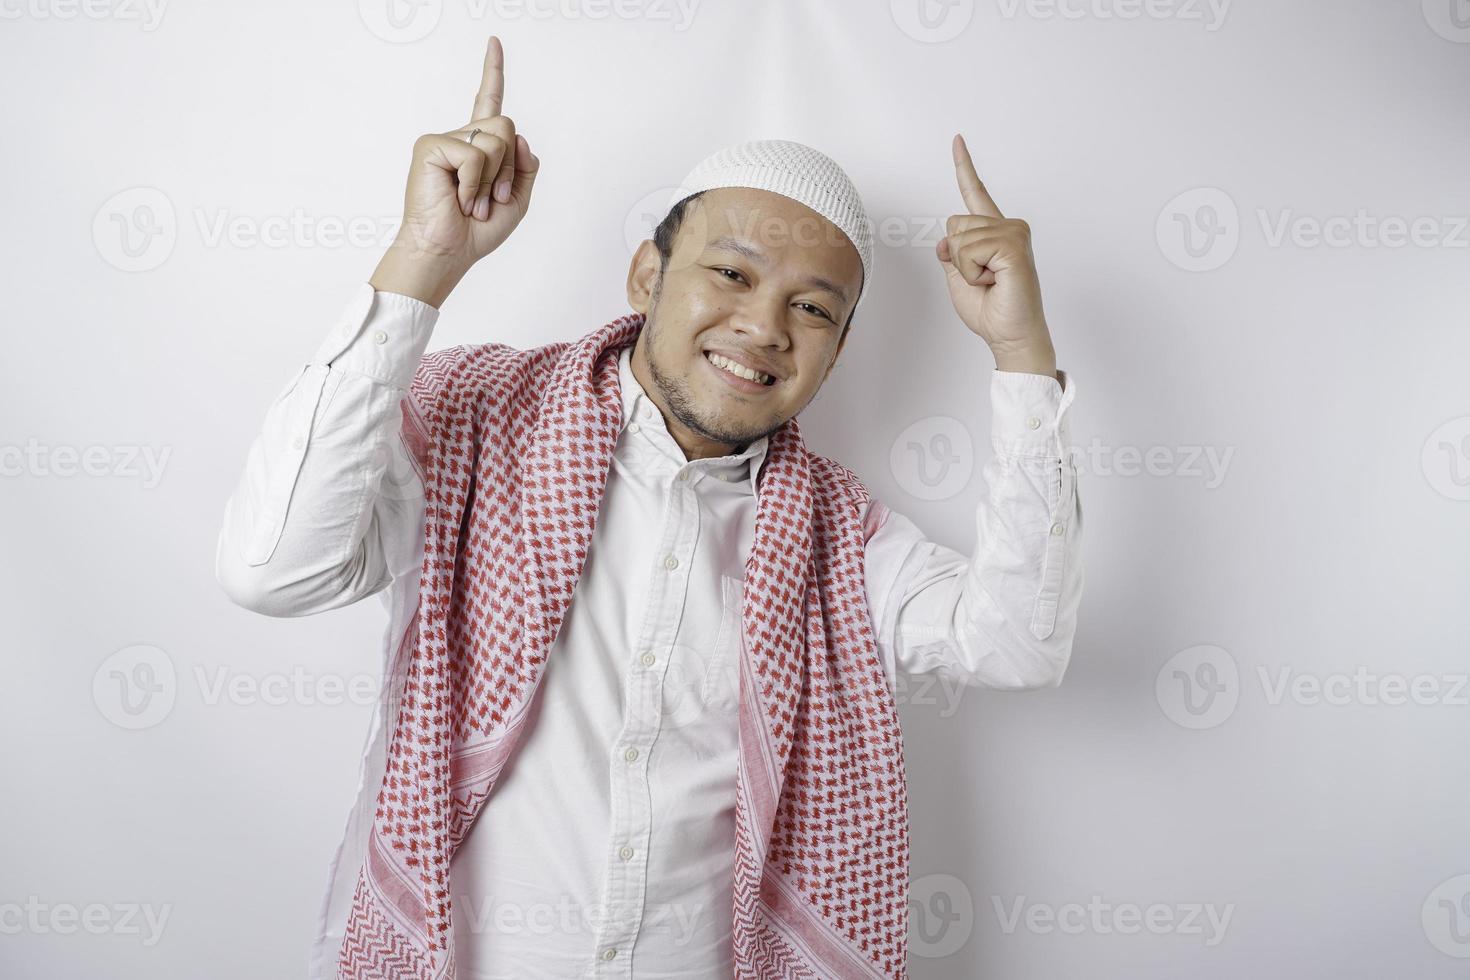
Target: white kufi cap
[(794, 170)]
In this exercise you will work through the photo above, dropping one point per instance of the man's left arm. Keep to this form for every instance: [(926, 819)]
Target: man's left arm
[(1006, 616)]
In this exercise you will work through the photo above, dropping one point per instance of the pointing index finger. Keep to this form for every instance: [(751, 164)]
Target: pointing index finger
[(492, 81), (977, 199)]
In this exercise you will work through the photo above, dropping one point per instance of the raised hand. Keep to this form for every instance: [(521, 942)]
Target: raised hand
[(991, 275), (463, 198)]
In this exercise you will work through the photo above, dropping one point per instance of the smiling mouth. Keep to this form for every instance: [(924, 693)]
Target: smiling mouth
[(739, 381)]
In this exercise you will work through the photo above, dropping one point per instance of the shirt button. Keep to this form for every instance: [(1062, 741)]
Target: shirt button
[(1034, 422), (1057, 528), (608, 954), (298, 442), (647, 659), (631, 754), (633, 427), (379, 337), (682, 475), (625, 852), (671, 563), (647, 413)]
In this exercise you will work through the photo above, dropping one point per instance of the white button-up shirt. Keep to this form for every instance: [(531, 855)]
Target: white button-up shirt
[(607, 846)]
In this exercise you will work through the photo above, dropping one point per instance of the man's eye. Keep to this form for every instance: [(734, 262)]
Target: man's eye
[(814, 309)]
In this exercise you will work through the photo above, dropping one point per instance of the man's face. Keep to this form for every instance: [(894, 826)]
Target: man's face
[(755, 277)]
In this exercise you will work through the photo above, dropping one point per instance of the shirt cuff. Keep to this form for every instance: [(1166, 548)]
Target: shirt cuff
[(380, 335), (1028, 413)]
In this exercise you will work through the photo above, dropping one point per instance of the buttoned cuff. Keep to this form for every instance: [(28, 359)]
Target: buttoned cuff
[(1028, 413), (380, 335)]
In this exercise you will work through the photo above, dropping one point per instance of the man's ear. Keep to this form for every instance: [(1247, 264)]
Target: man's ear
[(643, 273)]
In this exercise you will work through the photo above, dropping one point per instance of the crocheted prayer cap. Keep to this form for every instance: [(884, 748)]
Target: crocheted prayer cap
[(793, 170)]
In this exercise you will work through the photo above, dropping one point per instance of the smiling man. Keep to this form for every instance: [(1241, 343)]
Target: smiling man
[(727, 371), (639, 715)]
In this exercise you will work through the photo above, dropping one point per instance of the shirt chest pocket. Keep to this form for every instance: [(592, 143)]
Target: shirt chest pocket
[(721, 687)]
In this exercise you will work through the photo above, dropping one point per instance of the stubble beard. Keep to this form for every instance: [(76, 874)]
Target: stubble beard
[(681, 403)]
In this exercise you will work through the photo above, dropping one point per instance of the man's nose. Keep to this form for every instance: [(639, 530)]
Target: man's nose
[(762, 320)]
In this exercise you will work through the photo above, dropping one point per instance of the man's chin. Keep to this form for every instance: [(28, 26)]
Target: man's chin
[(721, 432)]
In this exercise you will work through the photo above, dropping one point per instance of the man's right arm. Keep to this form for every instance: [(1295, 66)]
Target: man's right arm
[(328, 496)]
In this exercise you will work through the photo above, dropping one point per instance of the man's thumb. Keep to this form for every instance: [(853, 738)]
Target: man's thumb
[(528, 165)]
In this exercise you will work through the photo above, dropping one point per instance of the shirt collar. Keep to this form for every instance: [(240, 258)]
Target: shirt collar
[(742, 467)]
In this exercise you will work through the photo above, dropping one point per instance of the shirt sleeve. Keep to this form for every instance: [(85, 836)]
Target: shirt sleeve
[(328, 496), (1004, 617)]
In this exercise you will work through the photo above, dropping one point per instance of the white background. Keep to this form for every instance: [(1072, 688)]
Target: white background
[(1327, 381)]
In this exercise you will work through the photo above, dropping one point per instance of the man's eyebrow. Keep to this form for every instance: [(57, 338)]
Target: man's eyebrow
[(749, 251)]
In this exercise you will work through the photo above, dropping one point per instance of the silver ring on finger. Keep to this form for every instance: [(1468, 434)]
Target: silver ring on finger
[(470, 139)]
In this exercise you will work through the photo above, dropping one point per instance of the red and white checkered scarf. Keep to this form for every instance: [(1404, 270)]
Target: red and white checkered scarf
[(513, 448)]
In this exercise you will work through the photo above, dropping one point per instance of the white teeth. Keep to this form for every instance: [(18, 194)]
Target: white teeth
[(720, 361)]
